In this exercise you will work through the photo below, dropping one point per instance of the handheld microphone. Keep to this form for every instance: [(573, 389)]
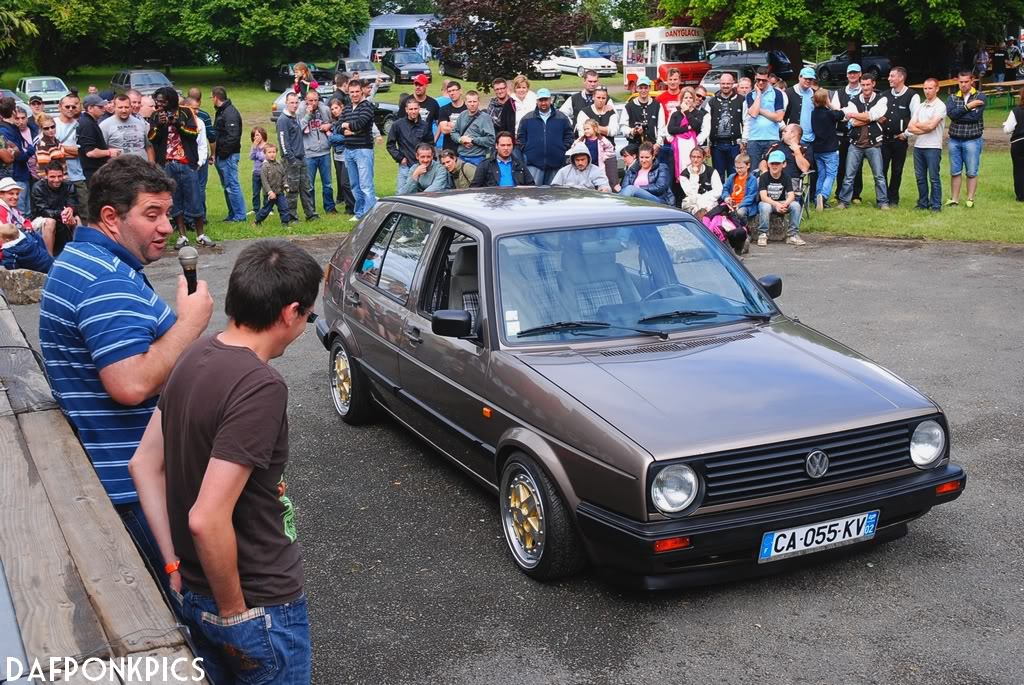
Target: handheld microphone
[(188, 257)]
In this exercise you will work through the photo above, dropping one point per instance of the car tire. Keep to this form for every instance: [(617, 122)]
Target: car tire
[(386, 125), (266, 85), (874, 73), (580, 72), (440, 68), (538, 528), (824, 75), (349, 388)]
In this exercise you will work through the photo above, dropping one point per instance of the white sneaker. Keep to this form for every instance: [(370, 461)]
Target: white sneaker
[(182, 242), (205, 240), (795, 240), (762, 240)]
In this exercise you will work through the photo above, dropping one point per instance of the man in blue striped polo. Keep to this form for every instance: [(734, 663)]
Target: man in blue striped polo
[(109, 342)]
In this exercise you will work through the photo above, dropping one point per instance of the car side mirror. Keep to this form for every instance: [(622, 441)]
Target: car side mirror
[(452, 323), (772, 285)]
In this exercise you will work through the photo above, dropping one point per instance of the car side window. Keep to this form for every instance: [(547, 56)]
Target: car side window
[(390, 262), (454, 276)]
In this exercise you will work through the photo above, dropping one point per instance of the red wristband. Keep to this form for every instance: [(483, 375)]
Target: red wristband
[(172, 567)]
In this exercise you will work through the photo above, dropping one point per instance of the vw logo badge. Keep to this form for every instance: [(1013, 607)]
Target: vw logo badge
[(816, 464)]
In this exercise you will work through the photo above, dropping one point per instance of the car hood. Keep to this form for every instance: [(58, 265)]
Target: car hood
[(732, 389)]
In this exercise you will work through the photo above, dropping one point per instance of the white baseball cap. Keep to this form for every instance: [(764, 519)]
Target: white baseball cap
[(8, 184)]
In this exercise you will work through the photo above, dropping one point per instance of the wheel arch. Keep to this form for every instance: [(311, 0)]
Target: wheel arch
[(523, 440)]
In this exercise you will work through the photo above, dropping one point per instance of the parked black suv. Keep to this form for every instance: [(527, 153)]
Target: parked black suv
[(776, 61), (404, 65)]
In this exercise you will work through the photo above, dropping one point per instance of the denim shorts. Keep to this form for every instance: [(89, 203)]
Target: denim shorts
[(964, 153), (263, 645), (186, 191)]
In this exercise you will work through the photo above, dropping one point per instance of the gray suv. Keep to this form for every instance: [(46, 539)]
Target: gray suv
[(146, 81)]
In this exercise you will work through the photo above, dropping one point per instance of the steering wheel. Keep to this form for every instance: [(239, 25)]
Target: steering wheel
[(677, 286)]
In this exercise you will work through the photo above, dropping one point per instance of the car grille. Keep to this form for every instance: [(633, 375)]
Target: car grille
[(773, 469)]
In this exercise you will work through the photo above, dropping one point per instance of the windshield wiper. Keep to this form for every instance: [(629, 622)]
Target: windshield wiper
[(574, 325), (701, 313)]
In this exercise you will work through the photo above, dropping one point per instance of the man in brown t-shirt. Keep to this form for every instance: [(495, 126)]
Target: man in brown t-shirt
[(210, 473)]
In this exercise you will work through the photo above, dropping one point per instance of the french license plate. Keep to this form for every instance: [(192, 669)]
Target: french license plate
[(793, 542)]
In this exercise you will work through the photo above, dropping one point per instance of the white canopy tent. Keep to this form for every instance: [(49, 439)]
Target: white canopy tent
[(362, 46)]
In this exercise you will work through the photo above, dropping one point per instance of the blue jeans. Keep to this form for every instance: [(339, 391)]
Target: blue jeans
[(186, 190), (135, 521), (828, 167), (854, 161), (24, 199), (263, 645), (259, 198), (202, 176), (360, 175), (541, 177), (723, 158), (926, 168), (756, 150), (766, 210), (227, 169), (321, 164), (1000, 77), (281, 201), (402, 178), (964, 153), (637, 191)]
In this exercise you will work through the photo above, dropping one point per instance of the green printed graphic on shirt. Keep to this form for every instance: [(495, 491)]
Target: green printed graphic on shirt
[(288, 515)]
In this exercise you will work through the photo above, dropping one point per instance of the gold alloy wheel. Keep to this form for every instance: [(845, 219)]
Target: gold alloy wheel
[(341, 381), (523, 515)]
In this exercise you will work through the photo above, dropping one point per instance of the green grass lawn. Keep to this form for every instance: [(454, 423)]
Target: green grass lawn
[(997, 217)]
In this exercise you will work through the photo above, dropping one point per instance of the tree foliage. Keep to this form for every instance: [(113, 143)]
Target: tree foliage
[(249, 34), (501, 38), (867, 21), (16, 30)]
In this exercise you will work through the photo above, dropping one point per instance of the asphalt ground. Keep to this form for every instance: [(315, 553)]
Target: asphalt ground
[(409, 580)]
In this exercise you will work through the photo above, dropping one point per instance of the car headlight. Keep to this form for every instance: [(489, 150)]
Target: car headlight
[(927, 444), (674, 488)]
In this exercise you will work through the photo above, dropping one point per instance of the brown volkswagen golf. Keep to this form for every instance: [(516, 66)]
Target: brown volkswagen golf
[(631, 393)]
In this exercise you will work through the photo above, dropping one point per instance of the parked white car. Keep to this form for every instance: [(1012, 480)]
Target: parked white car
[(574, 59), (547, 68)]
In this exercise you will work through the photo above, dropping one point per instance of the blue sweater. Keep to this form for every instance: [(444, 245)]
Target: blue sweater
[(749, 193), (544, 143)]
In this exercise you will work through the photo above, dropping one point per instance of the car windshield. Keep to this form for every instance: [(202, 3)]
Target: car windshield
[(46, 85), (682, 52), (150, 79), (361, 66), (407, 58), (606, 282), (587, 53)]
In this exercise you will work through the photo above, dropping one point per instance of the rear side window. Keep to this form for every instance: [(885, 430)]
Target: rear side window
[(390, 263)]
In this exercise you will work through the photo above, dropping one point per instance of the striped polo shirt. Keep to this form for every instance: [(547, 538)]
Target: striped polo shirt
[(97, 309)]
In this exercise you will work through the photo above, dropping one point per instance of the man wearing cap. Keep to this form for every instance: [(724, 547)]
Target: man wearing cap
[(429, 109), (867, 115), (92, 146), (26, 244), (840, 99), (726, 109), (645, 115), (799, 105), (776, 194), (35, 103), (543, 137)]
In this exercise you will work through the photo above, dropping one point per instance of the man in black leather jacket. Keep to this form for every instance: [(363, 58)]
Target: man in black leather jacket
[(55, 198)]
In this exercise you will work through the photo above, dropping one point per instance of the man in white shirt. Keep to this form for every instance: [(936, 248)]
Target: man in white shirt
[(867, 114), (902, 103), (926, 128)]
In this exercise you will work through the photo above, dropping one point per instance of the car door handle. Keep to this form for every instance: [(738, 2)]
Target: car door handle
[(413, 334), (352, 298)]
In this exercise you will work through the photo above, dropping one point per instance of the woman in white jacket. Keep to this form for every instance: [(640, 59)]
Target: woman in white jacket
[(701, 185), (525, 99)]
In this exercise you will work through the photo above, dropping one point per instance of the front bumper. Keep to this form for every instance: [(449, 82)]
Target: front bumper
[(725, 546)]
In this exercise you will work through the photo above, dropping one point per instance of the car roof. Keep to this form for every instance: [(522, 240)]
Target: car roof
[(40, 78), (512, 210)]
